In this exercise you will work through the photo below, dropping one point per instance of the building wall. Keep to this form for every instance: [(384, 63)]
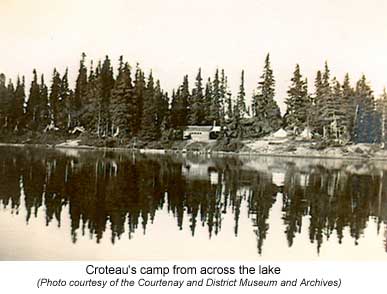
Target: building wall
[(198, 136)]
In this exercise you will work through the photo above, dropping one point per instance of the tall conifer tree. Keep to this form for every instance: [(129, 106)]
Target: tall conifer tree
[(197, 108), (139, 92), (54, 98), (18, 105), (149, 128), (298, 103), (265, 108), (123, 107), (80, 93)]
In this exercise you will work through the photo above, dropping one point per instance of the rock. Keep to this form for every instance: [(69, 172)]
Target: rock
[(358, 150)]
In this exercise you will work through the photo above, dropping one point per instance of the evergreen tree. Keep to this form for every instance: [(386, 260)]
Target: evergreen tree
[(317, 103), (18, 105), (298, 103), (123, 106), (240, 107), (139, 92), (173, 112), (265, 108), (149, 128), (347, 106), (9, 124), (55, 91), (162, 105), (226, 107), (165, 127), (197, 109), (208, 116), (44, 111), (329, 119), (80, 94), (383, 120), (107, 84), (179, 110), (229, 106), (327, 105), (91, 111), (33, 102), (225, 97), (63, 120), (366, 128), (5, 99), (338, 130), (214, 115)]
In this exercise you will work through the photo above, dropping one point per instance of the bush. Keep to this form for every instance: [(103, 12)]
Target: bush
[(227, 145), (154, 145)]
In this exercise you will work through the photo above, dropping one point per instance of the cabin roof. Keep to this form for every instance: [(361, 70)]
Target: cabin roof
[(198, 128)]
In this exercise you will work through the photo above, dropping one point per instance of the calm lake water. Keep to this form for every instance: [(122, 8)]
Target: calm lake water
[(80, 205)]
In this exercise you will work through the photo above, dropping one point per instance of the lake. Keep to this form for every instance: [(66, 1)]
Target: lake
[(68, 204)]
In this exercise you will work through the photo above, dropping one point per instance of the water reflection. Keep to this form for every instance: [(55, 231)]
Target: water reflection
[(115, 194)]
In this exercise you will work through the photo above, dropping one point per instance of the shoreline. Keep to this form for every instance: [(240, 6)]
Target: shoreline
[(253, 153)]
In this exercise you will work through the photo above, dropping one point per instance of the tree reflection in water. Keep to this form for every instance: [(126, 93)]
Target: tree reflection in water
[(122, 191)]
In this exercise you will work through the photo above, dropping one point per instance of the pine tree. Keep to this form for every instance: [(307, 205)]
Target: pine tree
[(197, 109), (80, 94), (317, 104), (326, 105), (6, 95), (265, 108), (331, 118), (339, 130), (208, 116), (18, 105), (348, 106), (240, 107), (139, 92), (3, 99), (165, 127), (225, 96), (8, 109), (179, 109), (366, 128), (149, 128), (63, 120), (32, 109), (55, 91), (107, 84), (214, 115), (44, 111), (383, 119), (123, 107), (298, 103), (162, 105), (91, 111), (174, 113), (226, 107)]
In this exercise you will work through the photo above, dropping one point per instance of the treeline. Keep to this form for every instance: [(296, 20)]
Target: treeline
[(132, 104), (335, 110)]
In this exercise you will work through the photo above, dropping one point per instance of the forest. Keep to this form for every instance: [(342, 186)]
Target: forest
[(130, 107)]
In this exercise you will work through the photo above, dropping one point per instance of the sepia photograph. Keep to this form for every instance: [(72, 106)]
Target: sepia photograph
[(189, 130)]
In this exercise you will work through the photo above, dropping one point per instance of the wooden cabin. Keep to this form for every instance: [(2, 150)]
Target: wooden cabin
[(201, 133)]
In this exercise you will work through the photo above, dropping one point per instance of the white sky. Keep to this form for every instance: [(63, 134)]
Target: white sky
[(176, 37)]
